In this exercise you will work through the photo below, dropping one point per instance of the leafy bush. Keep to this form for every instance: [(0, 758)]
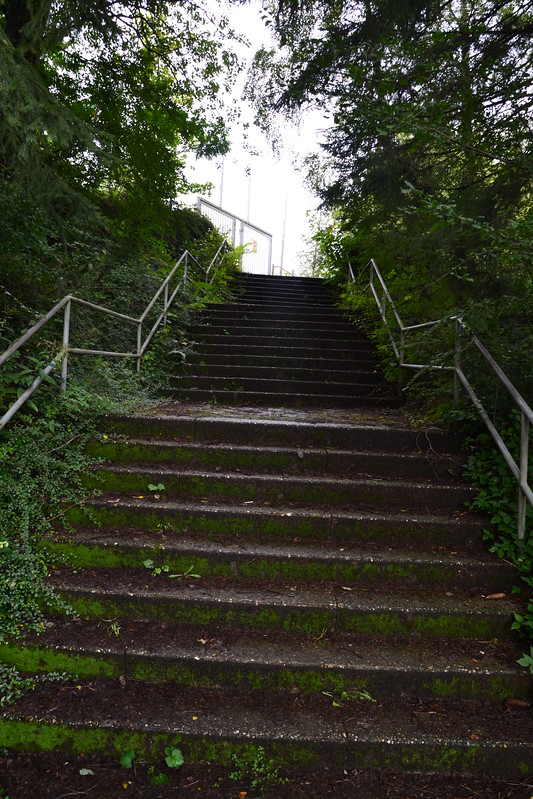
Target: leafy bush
[(497, 497)]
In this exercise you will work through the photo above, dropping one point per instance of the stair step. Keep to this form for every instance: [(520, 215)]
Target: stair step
[(254, 560), (296, 302), (283, 339), (274, 399), (230, 347), (302, 491), (255, 385), (212, 725), (157, 652), (285, 362), (212, 425), (311, 611), (252, 327), (282, 524), (234, 313), (281, 374), (282, 460)]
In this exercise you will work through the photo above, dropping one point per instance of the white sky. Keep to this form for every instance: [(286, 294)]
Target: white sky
[(273, 182)]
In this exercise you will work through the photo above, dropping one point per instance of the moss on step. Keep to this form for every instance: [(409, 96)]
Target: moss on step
[(510, 761), (40, 659), (113, 555), (310, 621)]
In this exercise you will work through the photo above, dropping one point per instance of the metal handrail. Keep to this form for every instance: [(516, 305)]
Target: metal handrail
[(61, 358), (520, 469)]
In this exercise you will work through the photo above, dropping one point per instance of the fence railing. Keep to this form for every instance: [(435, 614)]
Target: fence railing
[(461, 334), (282, 271), (181, 271), (239, 232)]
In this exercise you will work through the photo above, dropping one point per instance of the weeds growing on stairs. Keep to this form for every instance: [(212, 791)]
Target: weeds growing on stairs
[(42, 461)]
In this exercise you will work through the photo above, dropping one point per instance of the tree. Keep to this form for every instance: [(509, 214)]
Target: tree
[(100, 102), (431, 145)]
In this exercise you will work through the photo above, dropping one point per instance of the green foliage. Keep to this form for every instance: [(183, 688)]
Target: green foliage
[(159, 779), (13, 685), (41, 467), (173, 757), (497, 496), (424, 166), (127, 759), (527, 660), (256, 769), (165, 569), (358, 694), (95, 104)]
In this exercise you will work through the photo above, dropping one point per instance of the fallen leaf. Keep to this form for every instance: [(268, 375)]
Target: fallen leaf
[(517, 702), (495, 596), (474, 737), (86, 771)]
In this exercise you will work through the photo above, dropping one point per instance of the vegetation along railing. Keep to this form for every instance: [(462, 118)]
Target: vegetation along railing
[(181, 270), (462, 333)]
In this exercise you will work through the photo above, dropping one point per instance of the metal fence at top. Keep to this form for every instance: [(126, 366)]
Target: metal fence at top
[(258, 257), (461, 336)]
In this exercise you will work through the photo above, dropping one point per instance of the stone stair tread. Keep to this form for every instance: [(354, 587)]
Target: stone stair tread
[(425, 659), (245, 340), (164, 542), (461, 733), (348, 566), (281, 373), (291, 490), (277, 479), (288, 512), (284, 460), (305, 422), (132, 582), (273, 385), (281, 350), (272, 398), (241, 360)]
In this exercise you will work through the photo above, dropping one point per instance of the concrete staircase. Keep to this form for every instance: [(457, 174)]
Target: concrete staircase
[(282, 343), (290, 568)]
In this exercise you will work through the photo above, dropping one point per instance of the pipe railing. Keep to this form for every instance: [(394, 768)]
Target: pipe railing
[(380, 293), (182, 269)]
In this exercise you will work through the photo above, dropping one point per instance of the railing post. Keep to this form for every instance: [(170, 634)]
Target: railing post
[(383, 305), (66, 340), (457, 364), (524, 457), (165, 305), (185, 269), (139, 345)]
